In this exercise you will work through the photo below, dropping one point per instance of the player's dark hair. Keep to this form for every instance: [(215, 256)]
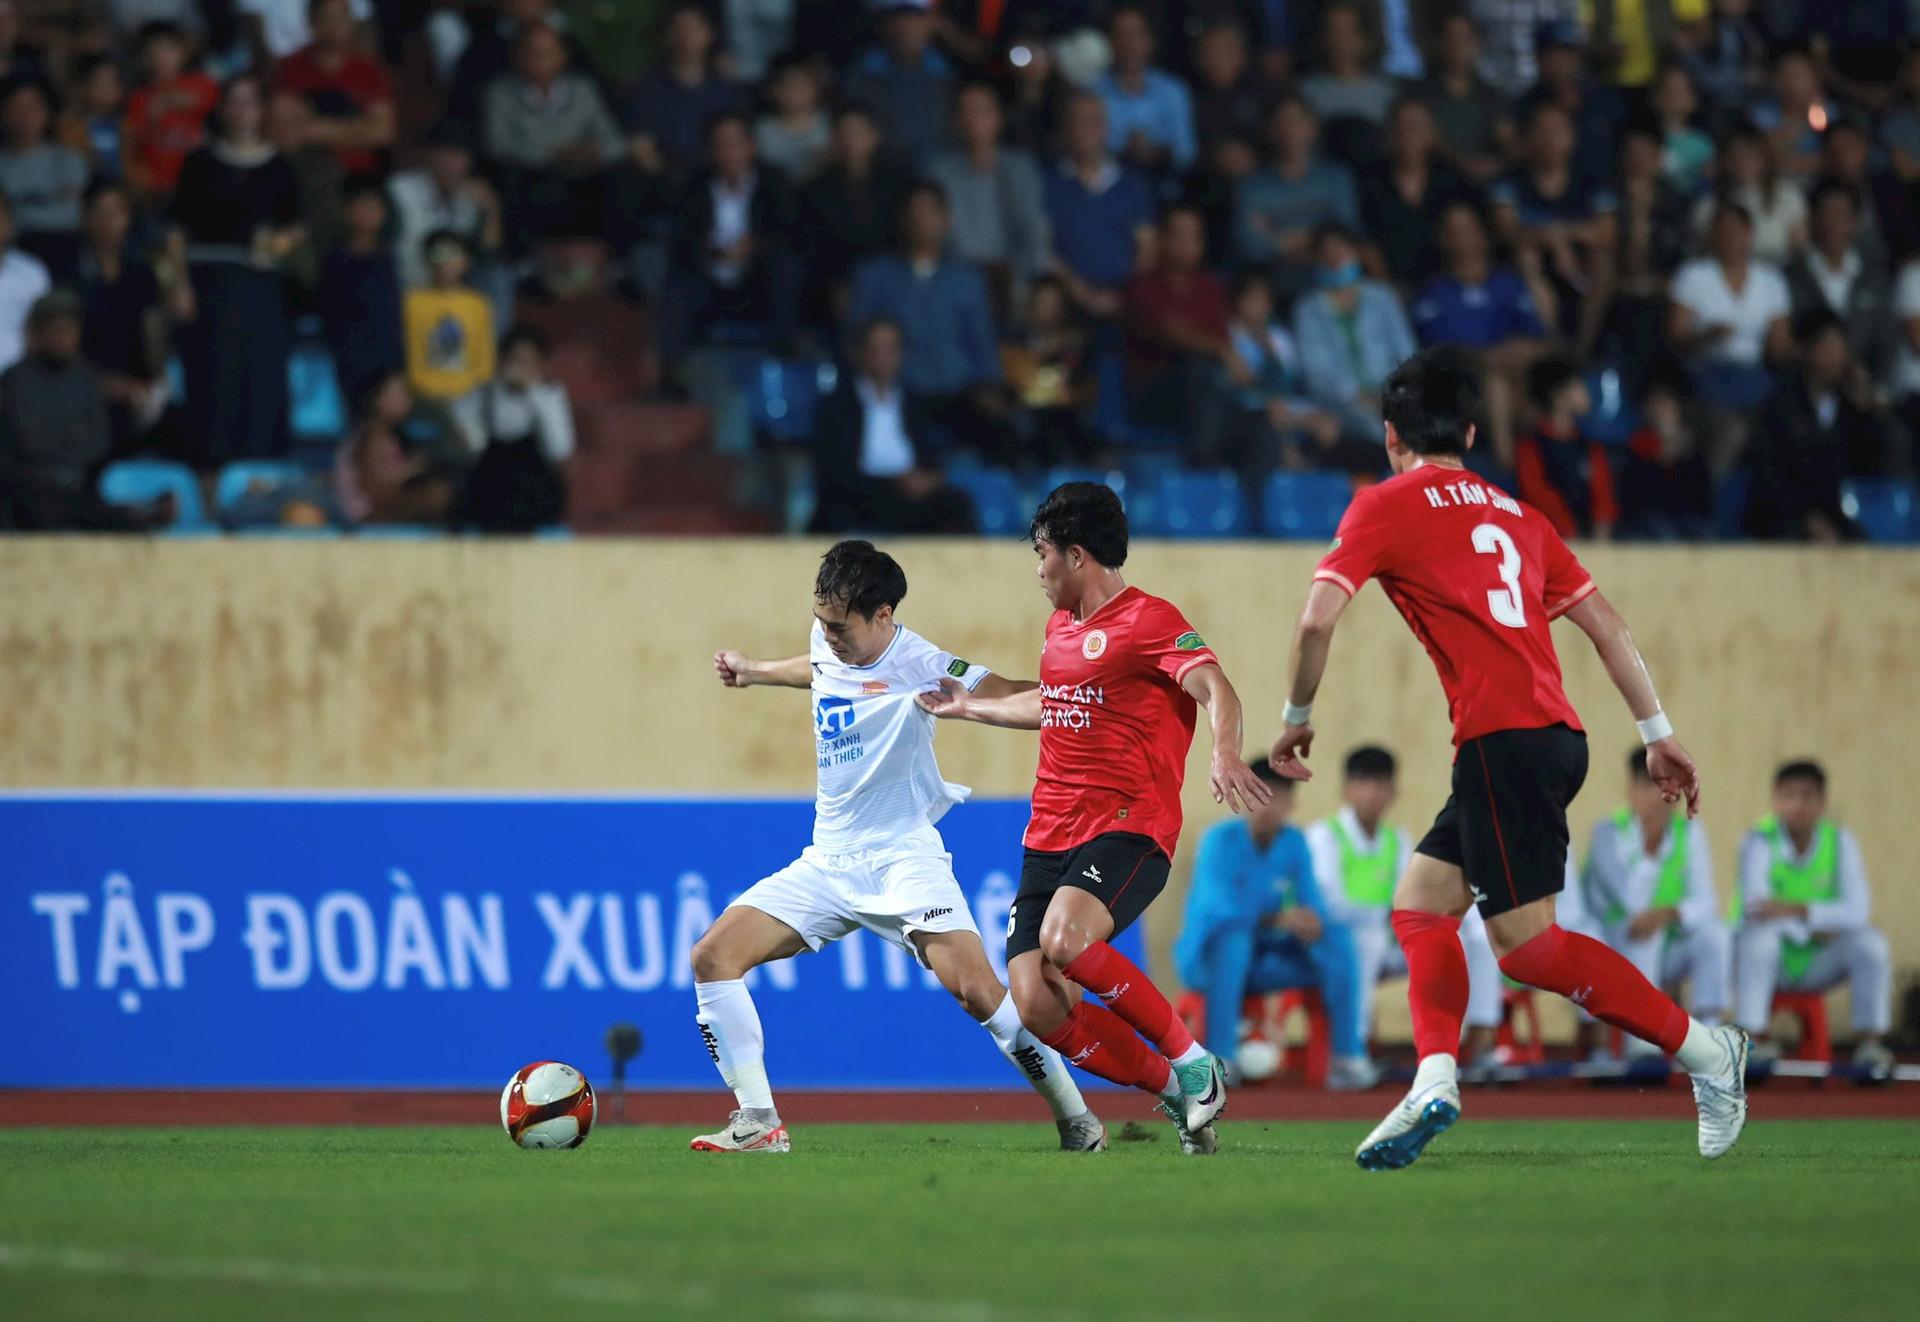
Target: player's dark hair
[(1083, 514), (861, 577), (1637, 765), (1431, 400), (1370, 762), (1803, 769), (1262, 768), (1548, 378)]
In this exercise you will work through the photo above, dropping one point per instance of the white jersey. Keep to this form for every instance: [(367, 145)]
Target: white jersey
[(877, 778)]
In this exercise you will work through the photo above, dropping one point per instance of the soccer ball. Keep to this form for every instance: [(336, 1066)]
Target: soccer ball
[(1258, 1059), (547, 1105)]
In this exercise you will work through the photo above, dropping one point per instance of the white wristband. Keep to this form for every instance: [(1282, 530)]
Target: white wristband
[(1293, 715), (1655, 728)]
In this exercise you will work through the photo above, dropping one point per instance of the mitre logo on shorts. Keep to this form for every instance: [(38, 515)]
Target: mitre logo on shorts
[(1095, 646), (932, 914)]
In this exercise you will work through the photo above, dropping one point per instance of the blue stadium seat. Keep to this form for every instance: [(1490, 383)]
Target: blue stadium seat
[(1110, 477), (1730, 503), (997, 498), (137, 481), (1110, 417), (1885, 509), (1206, 503), (782, 397), (245, 477), (317, 409), (1305, 506), (1613, 417)]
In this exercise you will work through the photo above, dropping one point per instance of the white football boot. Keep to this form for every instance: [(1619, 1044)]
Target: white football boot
[(1721, 1095), (745, 1134), (1082, 1133), (1422, 1116)]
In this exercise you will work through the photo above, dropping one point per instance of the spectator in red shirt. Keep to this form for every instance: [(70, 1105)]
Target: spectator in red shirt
[(351, 95), (1175, 314), (167, 114), (1564, 476)]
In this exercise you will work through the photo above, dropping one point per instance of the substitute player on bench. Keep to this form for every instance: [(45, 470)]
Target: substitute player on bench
[(1120, 676), (1478, 578), (876, 860)]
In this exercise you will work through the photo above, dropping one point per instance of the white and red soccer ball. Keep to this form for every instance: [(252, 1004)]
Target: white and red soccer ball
[(547, 1105)]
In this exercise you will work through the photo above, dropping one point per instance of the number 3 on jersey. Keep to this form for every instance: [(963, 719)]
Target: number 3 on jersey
[(1506, 604)]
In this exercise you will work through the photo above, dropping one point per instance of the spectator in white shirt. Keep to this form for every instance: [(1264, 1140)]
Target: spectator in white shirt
[(1650, 876), (520, 428), (22, 281), (443, 195), (873, 450), (1729, 316), (1804, 927)]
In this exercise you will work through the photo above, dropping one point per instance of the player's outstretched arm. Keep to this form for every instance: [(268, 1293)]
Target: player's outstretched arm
[(737, 670), (1231, 780), (1011, 704), (1668, 763), (1312, 640)]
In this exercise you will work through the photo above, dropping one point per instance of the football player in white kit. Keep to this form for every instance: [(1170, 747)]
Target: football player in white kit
[(876, 860)]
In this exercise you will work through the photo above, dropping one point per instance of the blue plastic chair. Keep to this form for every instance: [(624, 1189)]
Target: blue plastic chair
[(1110, 417), (138, 481), (1884, 509), (1305, 506), (1000, 505), (1613, 417), (243, 476), (1208, 503), (317, 409)]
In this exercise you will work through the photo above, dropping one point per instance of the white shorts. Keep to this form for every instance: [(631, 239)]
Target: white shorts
[(904, 887)]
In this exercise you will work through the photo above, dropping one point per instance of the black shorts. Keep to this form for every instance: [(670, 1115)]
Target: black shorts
[(1505, 824), (1126, 871)]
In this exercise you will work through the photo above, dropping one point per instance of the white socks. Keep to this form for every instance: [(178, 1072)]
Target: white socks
[(1701, 1053), (1439, 1070), (1191, 1054), (1039, 1062), (731, 1027)]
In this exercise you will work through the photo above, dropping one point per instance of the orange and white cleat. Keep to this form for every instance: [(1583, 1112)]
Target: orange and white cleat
[(745, 1134)]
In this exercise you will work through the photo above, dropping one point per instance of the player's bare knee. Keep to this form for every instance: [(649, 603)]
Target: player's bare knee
[(1039, 1005), (980, 996), (1063, 942), (711, 962)]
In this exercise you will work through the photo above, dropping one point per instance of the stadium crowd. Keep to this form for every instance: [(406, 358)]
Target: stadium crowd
[(1677, 236)]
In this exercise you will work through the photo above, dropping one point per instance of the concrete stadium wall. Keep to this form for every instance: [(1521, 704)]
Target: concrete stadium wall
[(569, 666)]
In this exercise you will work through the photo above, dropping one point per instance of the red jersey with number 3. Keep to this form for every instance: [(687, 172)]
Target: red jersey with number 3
[(1478, 577), (1115, 725)]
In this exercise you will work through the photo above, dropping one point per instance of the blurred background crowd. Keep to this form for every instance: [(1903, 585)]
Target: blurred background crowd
[(759, 264)]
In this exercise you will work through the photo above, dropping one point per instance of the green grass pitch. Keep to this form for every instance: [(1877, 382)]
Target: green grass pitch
[(969, 1223)]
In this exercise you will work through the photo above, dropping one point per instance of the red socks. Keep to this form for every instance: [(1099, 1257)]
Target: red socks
[(1602, 982), (1436, 979), (1099, 1042), (1120, 984)]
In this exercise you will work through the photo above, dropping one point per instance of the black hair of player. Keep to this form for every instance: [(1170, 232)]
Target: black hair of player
[(1083, 514), (861, 577), (1371, 762), (1431, 400), (1547, 378), (1637, 766), (1804, 769), (1262, 768)]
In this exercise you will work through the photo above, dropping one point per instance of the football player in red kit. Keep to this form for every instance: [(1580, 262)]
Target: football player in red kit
[(1479, 578), (1121, 677)]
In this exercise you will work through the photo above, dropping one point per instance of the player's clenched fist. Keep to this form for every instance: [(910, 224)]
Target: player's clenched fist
[(732, 668)]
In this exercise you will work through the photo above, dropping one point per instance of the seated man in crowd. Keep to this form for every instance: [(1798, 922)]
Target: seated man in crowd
[(907, 81), (1822, 426), (1803, 910), (952, 362), (1562, 220), (1832, 274), (1100, 211), (999, 210), (1729, 318), (549, 133), (1280, 207), (732, 247), (1649, 877), (349, 91), (669, 109), (1256, 923), (1559, 472), (56, 435), (1177, 347), (874, 451), (1149, 111), (1352, 333), (1357, 860)]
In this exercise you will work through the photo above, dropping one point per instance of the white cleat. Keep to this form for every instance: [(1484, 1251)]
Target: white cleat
[(1721, 1096), (745, 1134), (1201, 1142), (1082, 1133), (1420, 1118), (1203, 1088)]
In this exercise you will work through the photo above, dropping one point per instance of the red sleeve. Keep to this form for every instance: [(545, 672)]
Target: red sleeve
[(1165, 642), (1601, 499), (1530, 475), (1360, 545), (1567, 581)]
